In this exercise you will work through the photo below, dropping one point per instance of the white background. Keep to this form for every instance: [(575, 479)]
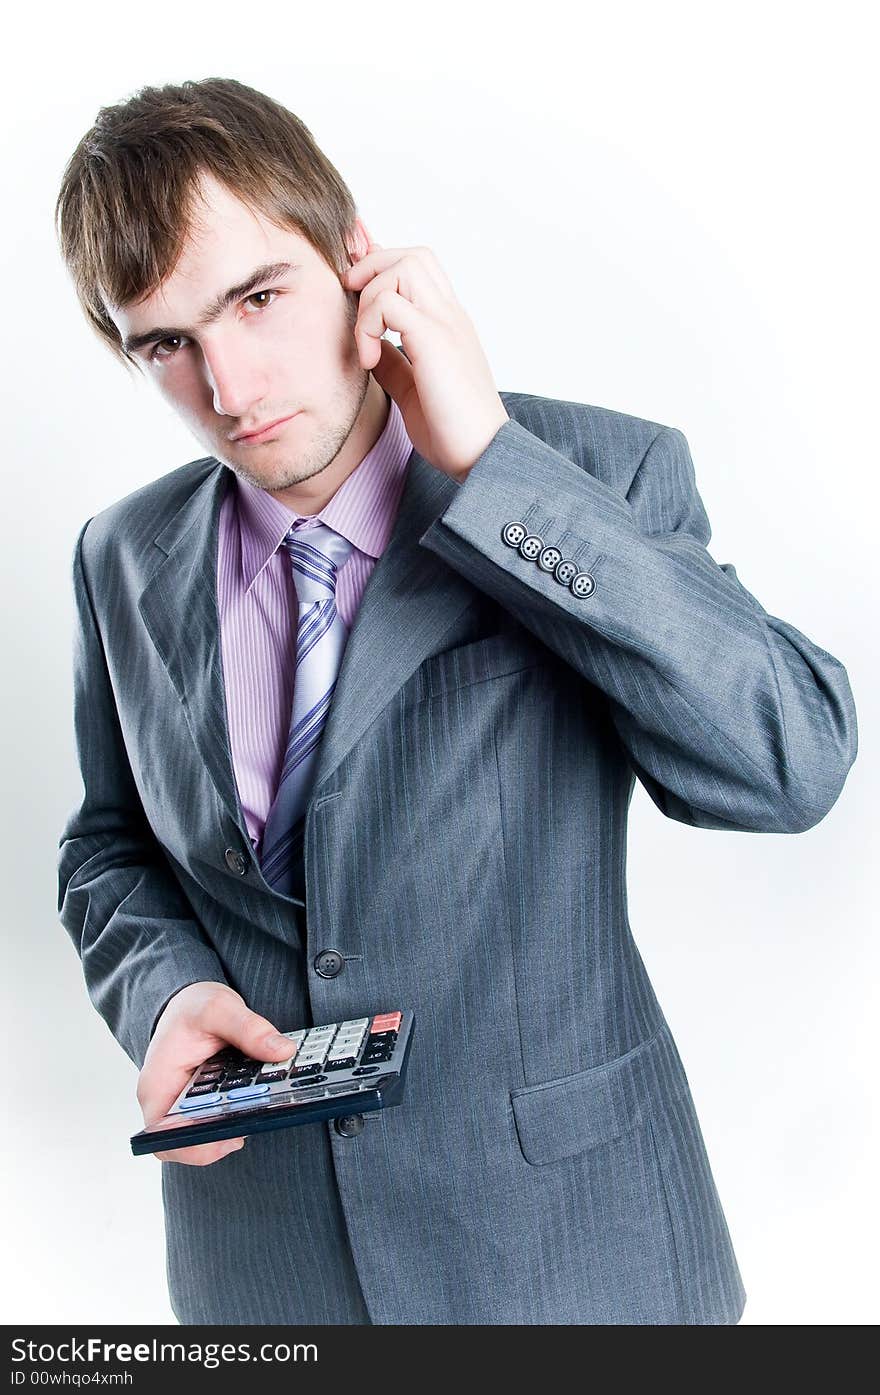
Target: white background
[(662, 209)]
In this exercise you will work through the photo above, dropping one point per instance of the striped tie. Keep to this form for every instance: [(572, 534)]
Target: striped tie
[(320, 643)]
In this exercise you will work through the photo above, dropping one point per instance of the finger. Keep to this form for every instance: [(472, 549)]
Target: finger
[(414, 261), (410, 280), (157, 1090), (202, 1154), (387, 311), (234, 1022)]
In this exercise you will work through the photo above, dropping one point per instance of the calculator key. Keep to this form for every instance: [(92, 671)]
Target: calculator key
[(200, 1090), (340, 1062), (199, 1103), (245, 1091), (274, 1075), (283, 1066), (364, 1070)]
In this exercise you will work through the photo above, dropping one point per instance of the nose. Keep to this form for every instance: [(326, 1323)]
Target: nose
[(236, 378)]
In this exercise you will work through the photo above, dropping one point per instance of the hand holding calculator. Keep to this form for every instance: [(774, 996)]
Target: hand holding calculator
[(340, 1069)]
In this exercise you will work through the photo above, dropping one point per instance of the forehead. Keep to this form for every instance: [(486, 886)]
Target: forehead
[(225, 240)]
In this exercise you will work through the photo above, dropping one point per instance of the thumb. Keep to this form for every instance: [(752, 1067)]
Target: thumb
[(393, 372), (253, 1034), (265, 1042)]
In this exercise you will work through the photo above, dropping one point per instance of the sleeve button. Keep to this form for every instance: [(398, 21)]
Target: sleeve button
[(549, 559), (513, 533), (583, 585), (531, 546)]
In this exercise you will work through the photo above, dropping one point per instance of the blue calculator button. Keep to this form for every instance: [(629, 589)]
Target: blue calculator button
[(243, 1092), (201, 1100)]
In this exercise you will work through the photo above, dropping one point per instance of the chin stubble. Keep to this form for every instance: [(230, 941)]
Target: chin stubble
[(321, 453)]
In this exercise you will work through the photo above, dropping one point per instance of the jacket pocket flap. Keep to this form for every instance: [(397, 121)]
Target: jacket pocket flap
[(562, 1117)]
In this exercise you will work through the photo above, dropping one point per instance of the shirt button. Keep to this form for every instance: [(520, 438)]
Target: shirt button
[(235, 861), (583, 585), (329, 963)]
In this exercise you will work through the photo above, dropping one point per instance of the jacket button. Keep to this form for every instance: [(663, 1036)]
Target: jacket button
[(349, 1125), (583, 585), (329, 963), (235, 861), (564, 571), (549, 559), (531, 547), (513, 533)]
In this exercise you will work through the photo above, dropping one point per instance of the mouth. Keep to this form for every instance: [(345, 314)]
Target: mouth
[(265, 433)]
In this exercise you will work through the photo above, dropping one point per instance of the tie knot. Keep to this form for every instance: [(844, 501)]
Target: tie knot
[(316, 554)]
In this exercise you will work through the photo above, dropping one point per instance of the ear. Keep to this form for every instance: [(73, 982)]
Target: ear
[(358, 241)]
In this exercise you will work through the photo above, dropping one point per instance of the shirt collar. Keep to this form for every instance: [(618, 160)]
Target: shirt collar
[(363, 509)]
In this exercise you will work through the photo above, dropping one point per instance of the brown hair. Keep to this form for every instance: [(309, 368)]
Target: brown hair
[(128, 190)]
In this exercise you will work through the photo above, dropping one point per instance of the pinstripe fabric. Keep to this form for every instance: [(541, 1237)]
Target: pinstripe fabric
[(465, 851)]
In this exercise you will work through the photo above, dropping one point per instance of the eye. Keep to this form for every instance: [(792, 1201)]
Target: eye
[(259, 293), (154, 352), (172, 338)]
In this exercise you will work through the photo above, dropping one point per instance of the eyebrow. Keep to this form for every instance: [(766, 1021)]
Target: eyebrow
[(270, 271)]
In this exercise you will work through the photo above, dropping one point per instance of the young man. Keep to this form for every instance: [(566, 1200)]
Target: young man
[(422, 802)]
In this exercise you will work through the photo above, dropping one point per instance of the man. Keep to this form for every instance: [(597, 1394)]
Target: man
[(520, 617)]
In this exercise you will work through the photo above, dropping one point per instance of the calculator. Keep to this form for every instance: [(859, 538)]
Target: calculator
[(343, 1068)]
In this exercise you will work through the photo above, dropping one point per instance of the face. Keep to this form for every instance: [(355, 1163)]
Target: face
[(283, 349)]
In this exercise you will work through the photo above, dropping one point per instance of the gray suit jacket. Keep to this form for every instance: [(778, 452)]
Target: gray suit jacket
[(465, 850)]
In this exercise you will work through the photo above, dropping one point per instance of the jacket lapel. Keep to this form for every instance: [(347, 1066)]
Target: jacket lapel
[(411, 599)]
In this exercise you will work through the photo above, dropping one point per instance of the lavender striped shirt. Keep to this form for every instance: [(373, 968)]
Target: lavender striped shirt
[(259, 609)]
